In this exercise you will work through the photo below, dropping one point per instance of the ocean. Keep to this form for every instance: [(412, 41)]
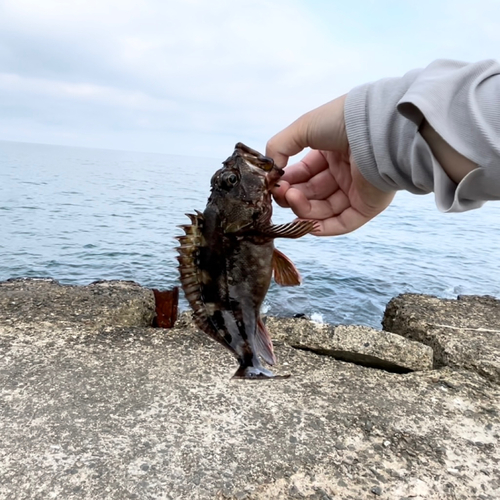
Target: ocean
[(79, 215)]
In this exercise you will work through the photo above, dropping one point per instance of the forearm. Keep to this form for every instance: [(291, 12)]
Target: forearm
[(453, 163), (436, 129)]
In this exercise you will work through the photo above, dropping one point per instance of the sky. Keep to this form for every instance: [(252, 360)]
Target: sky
[(194, 77)]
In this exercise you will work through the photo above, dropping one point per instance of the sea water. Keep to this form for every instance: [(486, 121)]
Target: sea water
[(79, 215)]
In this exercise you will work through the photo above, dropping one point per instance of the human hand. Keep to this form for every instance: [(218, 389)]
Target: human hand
[(326, 185)]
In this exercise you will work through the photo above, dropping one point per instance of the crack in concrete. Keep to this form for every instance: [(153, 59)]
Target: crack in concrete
[(366, 360)]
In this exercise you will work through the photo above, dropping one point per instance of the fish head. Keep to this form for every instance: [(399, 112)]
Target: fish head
[(241, 189)]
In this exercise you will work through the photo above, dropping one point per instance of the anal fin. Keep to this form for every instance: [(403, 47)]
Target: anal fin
[(284, 271), (264, 344)]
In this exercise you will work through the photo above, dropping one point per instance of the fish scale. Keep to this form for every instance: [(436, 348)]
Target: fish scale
[(227, 257)]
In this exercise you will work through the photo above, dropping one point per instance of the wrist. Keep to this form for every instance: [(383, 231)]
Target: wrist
[(453, 163)]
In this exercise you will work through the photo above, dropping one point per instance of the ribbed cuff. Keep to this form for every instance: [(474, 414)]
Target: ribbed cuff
[(450, 197), (358, 134)]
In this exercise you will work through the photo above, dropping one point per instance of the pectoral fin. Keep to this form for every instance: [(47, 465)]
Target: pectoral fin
[(291, 230), (284, 271)]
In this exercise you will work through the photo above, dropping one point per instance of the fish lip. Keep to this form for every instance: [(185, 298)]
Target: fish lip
[(256, 160), (273, 176), (253, 157)]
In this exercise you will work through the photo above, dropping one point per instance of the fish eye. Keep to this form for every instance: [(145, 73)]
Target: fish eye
[(229, 180)]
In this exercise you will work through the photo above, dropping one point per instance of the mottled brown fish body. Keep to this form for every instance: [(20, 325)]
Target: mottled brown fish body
[(227, 258)]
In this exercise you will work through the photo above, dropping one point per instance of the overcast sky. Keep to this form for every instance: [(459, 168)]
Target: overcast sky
[(193, 77)]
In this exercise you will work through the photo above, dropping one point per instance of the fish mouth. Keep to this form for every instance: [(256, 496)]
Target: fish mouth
[(254, 159)]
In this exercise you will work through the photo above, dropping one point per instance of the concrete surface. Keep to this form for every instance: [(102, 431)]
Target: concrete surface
[(103, 303), (360, 344), (464, 333), (91, 410)]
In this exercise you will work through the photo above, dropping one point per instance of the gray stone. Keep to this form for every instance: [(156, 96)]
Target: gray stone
[(464, 333), (110, 303), (359, 344), (85, 405)]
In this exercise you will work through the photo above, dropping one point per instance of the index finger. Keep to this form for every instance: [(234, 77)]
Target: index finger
[(312, 164)]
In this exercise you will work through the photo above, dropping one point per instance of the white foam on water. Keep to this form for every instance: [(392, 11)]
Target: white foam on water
[(317, 318)]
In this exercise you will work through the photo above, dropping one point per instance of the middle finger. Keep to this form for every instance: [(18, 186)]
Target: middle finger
[(319, 187)]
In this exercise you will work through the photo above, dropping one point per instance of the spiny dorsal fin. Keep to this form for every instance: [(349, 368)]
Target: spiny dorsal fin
[(191, 276), (189, 251)]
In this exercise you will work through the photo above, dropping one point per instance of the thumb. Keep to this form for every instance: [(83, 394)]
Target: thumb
[(322, 128), (290, 141)]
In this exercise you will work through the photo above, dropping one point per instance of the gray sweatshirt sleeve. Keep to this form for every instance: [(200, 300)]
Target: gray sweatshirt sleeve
[(460, 101)]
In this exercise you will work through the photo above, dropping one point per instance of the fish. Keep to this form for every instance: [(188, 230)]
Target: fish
[(227, 258)]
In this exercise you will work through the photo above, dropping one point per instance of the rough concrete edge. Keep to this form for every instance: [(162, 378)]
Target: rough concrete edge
[(423, 332)]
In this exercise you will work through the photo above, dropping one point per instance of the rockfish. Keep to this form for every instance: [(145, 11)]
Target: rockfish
[(227, 258)]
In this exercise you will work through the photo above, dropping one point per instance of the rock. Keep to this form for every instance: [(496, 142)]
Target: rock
[(90, 410), (464, 333), (110, 303), (357, 344)]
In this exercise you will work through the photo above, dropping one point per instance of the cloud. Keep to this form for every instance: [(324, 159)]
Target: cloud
[(193, 76), (201, 67)]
